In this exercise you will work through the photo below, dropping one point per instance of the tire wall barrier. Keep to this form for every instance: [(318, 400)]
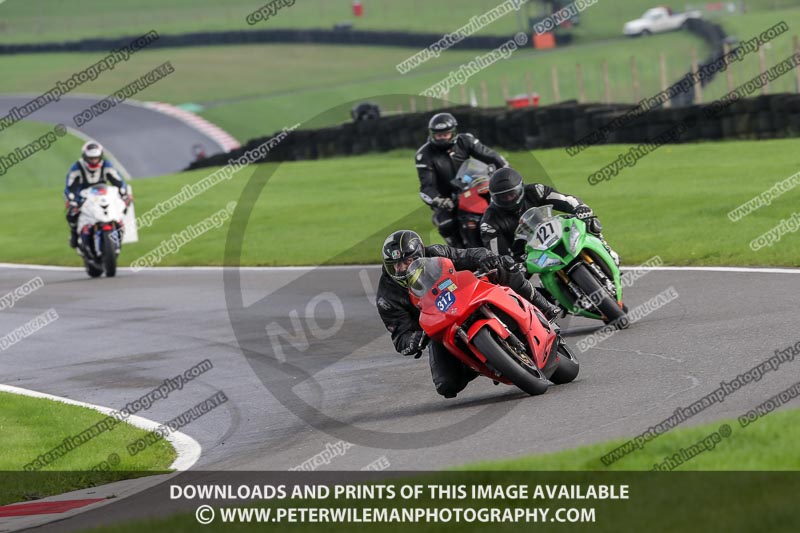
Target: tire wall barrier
[(560, 125), (715, 37), (298, 36)]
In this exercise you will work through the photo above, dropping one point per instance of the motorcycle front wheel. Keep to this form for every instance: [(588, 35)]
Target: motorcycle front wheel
[(509, 367), (606, 305), (92, 270), (109, 255)]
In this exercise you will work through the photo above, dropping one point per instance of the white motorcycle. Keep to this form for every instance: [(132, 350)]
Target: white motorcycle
[(102, 228)]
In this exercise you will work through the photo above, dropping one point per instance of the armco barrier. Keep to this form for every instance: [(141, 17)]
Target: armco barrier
[(559, 125)]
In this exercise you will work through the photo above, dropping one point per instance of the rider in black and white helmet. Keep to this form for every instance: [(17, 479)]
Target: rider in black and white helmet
[(89, 170)]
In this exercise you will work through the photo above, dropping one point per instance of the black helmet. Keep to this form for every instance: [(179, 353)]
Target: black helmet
[(506, 188), (442, 123), (365, 111), (400, 249)]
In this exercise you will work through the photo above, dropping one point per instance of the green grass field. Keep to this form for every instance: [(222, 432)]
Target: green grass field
[(30, 427), (680, 501), (768, 444), (23, 21), (91, 18), (673, 203), (279, 85), (312, 211), (275, 88), (43, 169), (270, 112), (746, 27)]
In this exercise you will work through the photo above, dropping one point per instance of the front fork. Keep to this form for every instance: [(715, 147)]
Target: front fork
[(99, 230), (504, 336), (584, 300)]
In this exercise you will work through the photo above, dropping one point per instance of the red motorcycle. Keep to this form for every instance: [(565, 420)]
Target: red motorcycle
[(472, 199), (489, 327)]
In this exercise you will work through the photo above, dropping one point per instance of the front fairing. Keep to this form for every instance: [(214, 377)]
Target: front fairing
[(448, 298), (544, 257), (101, 204), (442, 294)]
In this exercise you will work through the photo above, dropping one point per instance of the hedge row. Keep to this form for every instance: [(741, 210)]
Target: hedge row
[(560, 125)]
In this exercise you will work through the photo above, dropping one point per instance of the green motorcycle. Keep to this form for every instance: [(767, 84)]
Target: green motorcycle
[(572, 264)]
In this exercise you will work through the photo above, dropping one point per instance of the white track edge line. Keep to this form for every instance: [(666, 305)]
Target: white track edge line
[(765, 270), (186, 447)]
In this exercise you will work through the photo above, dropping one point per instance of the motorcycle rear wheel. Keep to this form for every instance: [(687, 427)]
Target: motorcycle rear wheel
[(568, 365)]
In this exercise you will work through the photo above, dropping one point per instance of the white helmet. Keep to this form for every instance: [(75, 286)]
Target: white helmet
[(92, 151)]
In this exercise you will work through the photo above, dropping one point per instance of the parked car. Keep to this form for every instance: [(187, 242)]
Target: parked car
[(658, 20)]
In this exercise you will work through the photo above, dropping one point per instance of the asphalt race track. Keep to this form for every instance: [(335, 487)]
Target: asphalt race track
[(116, 339), (146, 142)]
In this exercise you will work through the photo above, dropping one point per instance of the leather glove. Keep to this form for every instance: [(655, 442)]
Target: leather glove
[(505, 266), (510, 264), (443, 203), (73, 207), (128, 199), (583, 212), (508, 267), (416, 343), (490, 262)]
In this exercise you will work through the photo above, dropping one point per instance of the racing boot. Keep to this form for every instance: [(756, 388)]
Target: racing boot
[(73, 240), (550, 311), (547, 295)]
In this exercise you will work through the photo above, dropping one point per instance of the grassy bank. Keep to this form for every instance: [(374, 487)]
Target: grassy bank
[(30, 427), (673, 203)]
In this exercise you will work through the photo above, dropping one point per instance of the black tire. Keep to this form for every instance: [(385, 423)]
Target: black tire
[(607, 306), (470, 237), (109, 255), (507, 365), (568, 365), (91, 270), (645, 33)]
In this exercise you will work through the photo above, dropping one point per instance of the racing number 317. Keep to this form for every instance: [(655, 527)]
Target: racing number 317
[(445, 301)]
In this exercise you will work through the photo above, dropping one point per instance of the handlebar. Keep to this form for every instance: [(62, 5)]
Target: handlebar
[(479, 274), (425, 340)]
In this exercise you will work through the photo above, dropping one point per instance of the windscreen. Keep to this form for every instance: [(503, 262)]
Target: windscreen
[(423, 274), (470, 172), (531, 219)]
